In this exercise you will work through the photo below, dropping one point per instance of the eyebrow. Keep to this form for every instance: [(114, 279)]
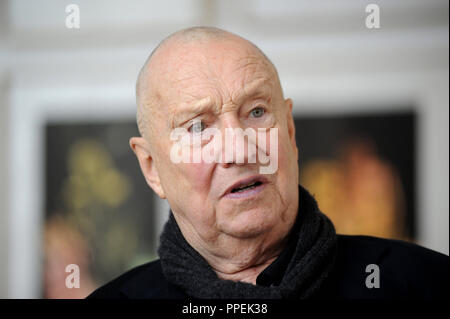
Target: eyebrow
[(193, 110), (204, 105)]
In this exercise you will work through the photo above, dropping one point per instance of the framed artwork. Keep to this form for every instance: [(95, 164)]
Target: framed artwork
[(361, 169), (100, 212)]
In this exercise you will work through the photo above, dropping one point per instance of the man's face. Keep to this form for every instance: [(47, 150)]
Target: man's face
[(224, 84)]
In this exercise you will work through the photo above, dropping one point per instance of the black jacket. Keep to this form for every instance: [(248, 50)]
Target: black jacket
[(405, 270)]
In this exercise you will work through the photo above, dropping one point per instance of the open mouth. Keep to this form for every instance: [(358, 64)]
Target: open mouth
[(246, 187)]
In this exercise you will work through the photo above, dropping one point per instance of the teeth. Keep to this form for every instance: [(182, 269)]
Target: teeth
[(240, 189), (246, 186)]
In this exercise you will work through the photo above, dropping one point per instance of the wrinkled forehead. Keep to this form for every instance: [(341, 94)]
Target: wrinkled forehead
[(194, 70)]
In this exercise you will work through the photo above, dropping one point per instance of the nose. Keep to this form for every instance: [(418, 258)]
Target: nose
[(238, 142)]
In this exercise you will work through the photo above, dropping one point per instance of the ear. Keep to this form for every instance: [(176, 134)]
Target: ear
[(141, 148), (291, 125)]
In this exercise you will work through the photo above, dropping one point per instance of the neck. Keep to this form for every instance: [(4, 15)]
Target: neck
[(238, 259), (244, 260)]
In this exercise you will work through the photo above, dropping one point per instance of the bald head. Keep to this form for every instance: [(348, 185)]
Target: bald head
[(148, 90)]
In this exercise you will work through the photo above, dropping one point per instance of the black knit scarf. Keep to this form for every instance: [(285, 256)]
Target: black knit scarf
[(311, 262)]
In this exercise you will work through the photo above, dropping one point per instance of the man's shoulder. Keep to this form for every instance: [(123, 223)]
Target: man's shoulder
[(145, 281), (405, 269), (389, 250)]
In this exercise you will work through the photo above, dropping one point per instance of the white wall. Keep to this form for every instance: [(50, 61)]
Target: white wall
[(4, 190), (327, 59), (4, 146)]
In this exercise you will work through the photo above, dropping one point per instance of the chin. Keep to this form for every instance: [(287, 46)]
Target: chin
[(251, 223)]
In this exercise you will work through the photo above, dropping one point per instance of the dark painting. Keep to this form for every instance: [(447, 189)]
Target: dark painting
[(99, 209), (361, 169)]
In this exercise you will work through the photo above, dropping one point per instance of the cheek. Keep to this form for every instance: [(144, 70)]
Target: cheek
[(199, 176), (192, 197), (187, 188), (287, 159), (192, 181), (184, 178)]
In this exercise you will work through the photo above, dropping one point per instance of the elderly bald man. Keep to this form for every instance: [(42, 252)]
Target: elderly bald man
[(234, 232)]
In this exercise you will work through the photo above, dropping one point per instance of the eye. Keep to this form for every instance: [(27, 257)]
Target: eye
[(197, 127), (257, 112)]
